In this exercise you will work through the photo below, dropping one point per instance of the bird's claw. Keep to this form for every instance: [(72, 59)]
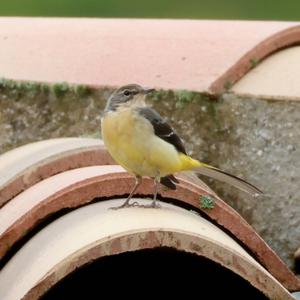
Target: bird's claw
[(136, 204), (126, 205), (152, 205)]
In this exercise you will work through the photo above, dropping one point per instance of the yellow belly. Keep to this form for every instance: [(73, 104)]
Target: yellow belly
[(131, 141)]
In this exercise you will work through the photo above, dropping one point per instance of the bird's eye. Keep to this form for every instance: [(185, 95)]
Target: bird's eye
[(126, 92)]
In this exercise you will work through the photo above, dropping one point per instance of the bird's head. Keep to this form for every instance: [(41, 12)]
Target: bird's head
[(127, 95)]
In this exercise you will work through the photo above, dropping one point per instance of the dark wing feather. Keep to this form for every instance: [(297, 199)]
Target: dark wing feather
[(169, 181), (161, 128)]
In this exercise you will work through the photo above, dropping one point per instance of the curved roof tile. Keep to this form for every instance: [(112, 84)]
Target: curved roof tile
[(177, 54), (277, 77), (22, 167), (92, 231), (76, 187)]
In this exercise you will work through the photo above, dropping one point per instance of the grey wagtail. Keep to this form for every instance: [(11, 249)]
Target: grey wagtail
[(143, 143)]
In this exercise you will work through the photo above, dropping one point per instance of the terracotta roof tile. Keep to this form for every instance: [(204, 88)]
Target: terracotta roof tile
[(177, 54), (79, 186), (93, 231), (277, 77), (22, 167)]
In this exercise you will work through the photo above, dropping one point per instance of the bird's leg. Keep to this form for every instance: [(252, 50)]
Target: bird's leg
[(156, 185), (138, 181)]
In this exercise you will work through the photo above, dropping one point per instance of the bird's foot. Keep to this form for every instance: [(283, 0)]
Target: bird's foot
[(136, 204), (152, 205), (127, 205)]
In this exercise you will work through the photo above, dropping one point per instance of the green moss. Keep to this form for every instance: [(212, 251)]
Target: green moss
[(32, 86), (60, 89), (254, 62), (2, 82), (159, 95), (20, 85), (206, 202), (29, 87), (45, 88), (180, 97), (228, 85), (202, 98), (82, 90), (7, 83), (183, 97)]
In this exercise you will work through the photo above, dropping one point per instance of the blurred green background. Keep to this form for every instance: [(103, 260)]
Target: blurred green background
[(201, 9)]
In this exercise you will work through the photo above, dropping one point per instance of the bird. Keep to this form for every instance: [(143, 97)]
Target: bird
[(143, 143)]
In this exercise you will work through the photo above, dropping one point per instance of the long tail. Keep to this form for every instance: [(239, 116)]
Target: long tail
[(228, 178), (189, 163)]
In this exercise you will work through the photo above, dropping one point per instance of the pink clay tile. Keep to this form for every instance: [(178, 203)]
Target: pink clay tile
[(80, 186), (95, 231), (203, 56), (22, 167)]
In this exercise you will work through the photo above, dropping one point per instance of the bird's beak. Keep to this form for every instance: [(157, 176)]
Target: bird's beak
[(148, 90)]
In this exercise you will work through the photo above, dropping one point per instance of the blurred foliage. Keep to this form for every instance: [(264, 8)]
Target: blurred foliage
[(197, 9)]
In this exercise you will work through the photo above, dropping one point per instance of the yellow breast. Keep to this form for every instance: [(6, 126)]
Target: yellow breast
[(131, 141)]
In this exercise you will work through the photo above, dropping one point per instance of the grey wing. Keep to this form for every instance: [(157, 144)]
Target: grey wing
[(161, 128)]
